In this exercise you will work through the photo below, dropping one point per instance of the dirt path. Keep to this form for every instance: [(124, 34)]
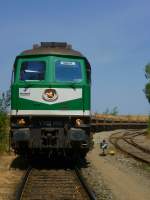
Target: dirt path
[(10, 176), (123, 180)]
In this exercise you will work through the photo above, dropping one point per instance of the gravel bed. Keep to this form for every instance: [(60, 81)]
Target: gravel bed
[(123, 160), (126, 163), (12, 169), (95, 181)]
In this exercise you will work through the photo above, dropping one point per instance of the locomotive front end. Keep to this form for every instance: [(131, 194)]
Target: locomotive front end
[(50, 101)]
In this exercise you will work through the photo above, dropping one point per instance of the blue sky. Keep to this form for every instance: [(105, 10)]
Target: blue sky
[(113, 35)]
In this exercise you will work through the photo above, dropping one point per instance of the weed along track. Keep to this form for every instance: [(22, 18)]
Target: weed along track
[(45, 184)]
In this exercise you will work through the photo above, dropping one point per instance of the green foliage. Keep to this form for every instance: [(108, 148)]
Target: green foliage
[(4, 132), (146, 167), (5, 101), (147, 91), (148, 128), (113, 111), (4, 121), (147, 71), (147, 86), (106, 111)]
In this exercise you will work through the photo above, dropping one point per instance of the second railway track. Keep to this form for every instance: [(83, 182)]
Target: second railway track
[(54, 184), (124, 140)]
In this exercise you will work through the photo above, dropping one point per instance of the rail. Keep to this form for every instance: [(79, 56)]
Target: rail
[(54, 184), (123, 141), (85, 185)]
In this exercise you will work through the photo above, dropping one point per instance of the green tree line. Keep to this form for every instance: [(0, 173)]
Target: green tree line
[(4, 121), (147, 88)]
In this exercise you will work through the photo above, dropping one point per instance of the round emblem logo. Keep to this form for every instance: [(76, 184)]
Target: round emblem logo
[(50, 95)]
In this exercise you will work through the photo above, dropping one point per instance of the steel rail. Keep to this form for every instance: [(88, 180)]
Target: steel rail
[(131, 140), (85, 185), (77, 174), (116, 141), (23, 183)]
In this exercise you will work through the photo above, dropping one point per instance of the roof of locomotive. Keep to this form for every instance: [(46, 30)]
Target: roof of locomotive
[(53, 48), (56, 48)]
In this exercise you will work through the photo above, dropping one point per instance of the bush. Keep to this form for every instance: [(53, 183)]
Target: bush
[(114, 111), (148, 128), (4, 132)]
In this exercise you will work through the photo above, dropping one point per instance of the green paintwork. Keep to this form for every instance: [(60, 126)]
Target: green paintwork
[(49, 82)]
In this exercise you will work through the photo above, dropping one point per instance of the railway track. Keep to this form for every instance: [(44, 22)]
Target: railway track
[(124, 140), (63, 184)]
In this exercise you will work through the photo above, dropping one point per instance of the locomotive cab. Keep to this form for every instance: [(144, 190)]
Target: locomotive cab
[(50, 100)]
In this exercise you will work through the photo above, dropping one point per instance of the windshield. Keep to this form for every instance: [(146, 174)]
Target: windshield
[(68, 71), (32, 70)]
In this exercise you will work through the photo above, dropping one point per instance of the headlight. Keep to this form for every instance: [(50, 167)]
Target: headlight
[(79, 122), (21, 122)]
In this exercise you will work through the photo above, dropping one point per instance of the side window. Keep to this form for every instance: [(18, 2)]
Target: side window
[(32, 70), (68, 71)]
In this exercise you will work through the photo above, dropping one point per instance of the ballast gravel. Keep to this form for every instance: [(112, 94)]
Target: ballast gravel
[(96, 183)]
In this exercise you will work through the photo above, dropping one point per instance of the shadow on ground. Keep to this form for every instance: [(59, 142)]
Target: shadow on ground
[(43, 162)]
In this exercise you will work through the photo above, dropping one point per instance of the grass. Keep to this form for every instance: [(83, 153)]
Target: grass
[(4, 144), (148, 129), (146, 167), (4, 132)]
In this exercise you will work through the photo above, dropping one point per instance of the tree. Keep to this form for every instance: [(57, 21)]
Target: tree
[(4, 120), (106, 112), (113, 111), (147, 86), (5, 101)]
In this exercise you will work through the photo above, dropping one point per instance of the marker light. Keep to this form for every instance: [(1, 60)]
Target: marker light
[(79, 122), (21, 122)]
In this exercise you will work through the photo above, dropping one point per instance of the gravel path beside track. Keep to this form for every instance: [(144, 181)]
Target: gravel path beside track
[(95, 180), (125, 176), (9, 177)]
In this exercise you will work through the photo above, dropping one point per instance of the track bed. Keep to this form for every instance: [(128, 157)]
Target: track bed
[(44, 184)]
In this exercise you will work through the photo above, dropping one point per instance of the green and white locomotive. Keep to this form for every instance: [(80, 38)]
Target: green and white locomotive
[(50, 100)]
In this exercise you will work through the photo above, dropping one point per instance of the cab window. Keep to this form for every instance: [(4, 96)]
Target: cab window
[(67, 71), (32, 70)]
